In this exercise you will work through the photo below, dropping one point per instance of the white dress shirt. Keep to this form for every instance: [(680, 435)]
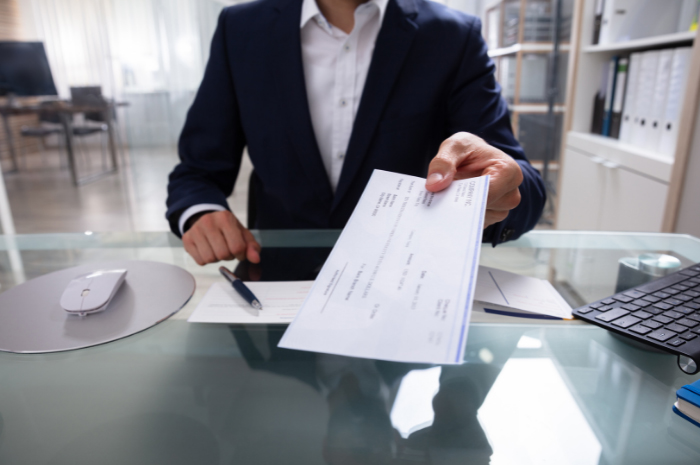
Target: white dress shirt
[(335, 70)]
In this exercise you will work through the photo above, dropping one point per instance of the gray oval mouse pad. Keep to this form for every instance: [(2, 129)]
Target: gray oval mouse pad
[(33, 321)]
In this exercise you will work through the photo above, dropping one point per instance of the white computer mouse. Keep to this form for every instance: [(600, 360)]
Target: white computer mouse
[(92, 292)]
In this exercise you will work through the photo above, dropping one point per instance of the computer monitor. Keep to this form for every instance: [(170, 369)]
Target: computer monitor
[(24, 70)]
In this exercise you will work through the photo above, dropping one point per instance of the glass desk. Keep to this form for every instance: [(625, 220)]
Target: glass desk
[(530, 392)]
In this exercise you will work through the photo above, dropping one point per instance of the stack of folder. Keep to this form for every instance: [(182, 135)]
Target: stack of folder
[(688, 403), (640, 99)]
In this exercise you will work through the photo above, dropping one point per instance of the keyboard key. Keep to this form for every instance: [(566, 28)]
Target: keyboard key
[(652, 324), (693, 294), (613, 315), (688, 336), (608, 301), (671, 291), (684, 310), (687, 322), (682, 298), (662, 319), (641, 303), (651, 298), (605, 308), (639, 329), (661, 283), (584, 310), (630, 307), (642, 314), (690, 273), (696, 330), (672, 314), (596, 305), (680, 287), (634, 294), (676, 328), (692, 305), (662, 335), (695, 317), (627, 321), (673, 302), (653, 311), (663, 306), (623, 298), (676, 342), (661, 295)]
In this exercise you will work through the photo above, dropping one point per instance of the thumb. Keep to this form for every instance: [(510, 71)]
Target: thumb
[(440, 173)]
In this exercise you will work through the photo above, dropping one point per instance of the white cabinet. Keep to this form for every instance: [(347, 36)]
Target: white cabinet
[(632, 202), (608, 189), (581, 196), (606, 184)]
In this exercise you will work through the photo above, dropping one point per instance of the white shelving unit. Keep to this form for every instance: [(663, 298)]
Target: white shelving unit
[(606, 184), (640, 44)]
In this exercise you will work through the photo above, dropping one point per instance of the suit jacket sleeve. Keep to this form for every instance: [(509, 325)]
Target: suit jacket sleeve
[(212, 140), (476, 106)]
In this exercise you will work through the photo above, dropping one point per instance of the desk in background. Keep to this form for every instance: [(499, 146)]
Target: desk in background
[(532, 391), (65, 110)]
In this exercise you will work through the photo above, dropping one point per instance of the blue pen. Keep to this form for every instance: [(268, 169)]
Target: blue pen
[(241, 288)]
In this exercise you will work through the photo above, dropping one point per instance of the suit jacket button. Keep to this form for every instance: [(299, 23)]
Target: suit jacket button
[(506, 234)]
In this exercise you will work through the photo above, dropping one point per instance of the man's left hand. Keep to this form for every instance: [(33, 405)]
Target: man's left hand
[(465, 155)]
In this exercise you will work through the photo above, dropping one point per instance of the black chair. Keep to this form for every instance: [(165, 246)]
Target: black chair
[(95, 121), (49, 124)]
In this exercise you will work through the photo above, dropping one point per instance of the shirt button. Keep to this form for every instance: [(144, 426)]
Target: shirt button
[(346, 48), (341, 155), (343, 102)]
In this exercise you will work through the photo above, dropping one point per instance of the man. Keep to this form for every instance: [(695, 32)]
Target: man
[(322, 93)]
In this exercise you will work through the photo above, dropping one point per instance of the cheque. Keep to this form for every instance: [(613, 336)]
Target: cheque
[(399, 283)]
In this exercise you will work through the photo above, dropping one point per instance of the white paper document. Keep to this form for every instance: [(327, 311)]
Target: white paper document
[(512, 291), (399, 282), (280, 301)]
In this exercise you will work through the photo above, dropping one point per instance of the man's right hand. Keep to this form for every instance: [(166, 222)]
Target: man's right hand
[(219, 236)]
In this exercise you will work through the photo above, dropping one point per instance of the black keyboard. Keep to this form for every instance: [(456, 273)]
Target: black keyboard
[(664, 313)]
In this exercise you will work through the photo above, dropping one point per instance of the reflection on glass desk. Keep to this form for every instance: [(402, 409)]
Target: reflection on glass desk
[(530, 392)]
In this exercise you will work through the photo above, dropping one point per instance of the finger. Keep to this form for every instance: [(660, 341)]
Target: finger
[(506, 202), (504, 176), (440, 174), (253, 248), (219, 245), (449, 163), (493, 217), (230, 229), (443, 166), (191, 247), (206, 254)]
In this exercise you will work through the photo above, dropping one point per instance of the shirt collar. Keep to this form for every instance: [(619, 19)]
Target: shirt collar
[(309, 9)]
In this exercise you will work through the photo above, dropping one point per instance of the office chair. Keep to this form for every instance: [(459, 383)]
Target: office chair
[(91, 96), (49, 124)]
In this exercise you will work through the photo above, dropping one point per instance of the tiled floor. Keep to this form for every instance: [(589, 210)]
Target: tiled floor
[(43, 199)]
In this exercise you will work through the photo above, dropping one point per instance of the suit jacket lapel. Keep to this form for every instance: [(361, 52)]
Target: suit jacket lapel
[(286, 65), (392, 46)]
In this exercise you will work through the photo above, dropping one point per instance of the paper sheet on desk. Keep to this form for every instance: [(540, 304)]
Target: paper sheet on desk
[(280, 300), (518, 292), (399, 282)]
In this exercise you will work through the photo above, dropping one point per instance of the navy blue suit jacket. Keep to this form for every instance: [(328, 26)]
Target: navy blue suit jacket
[(430, 77)]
